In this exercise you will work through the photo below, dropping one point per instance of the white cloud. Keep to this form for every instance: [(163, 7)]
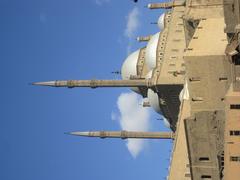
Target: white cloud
[(133, 23), (101, 2), (133, 117), (135, 146)]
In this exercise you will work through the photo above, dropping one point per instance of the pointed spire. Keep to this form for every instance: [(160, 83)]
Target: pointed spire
[(78, 133), (96, 83), (49, 83), (125, 134)]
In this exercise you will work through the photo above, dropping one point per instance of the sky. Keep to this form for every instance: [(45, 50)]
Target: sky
[(45, 40)]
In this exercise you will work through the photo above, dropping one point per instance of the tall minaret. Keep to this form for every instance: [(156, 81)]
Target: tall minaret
[(97, 83), (167, 5), (125, 134)]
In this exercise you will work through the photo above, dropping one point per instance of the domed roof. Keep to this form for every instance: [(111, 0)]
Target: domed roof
[(153, 97), (129, 67), (181, 95), (151, 51), (149, 75), (161, 21), (184, 94), (153, 100)]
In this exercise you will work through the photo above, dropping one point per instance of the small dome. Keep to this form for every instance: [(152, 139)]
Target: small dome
[(184, 94), (129, 67), (151, 51), (153, 97), (181, 95), (166, 122), (149, 75), (154, 100), (161, 21)]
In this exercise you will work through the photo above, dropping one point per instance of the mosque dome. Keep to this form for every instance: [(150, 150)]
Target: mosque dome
[(153, 97), (149, 74), (151, 51), (184, 94), (161, 21), (153, 100), (181, 94), (129, 68)]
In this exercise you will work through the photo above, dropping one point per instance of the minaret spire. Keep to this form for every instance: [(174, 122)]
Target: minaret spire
[(125, 134), (97, 83)]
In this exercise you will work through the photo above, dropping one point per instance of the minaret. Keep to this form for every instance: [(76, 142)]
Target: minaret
[(167, 5), (125, 134), (97, 83)]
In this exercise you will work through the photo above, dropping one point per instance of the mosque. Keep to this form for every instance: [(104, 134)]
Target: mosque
[(143, 72)]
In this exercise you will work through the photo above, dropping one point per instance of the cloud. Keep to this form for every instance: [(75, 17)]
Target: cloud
[(133, 117), (133, 23), (101, 2)]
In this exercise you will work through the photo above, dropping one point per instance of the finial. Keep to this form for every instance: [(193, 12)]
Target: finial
[(48, 83)]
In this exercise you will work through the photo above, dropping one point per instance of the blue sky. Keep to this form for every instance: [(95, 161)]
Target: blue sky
[(48, 40)]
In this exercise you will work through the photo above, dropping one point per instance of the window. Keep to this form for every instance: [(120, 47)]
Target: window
[(234, 133), (235, 106), (235, 158), (223, 79), (206, 177), (236, 59), (173, 57), (204, 159)]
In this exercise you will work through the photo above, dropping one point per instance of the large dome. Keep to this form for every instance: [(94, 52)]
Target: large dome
[(153, 97), (151, 51), (129, 67), (161, 21), (153, 100)]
